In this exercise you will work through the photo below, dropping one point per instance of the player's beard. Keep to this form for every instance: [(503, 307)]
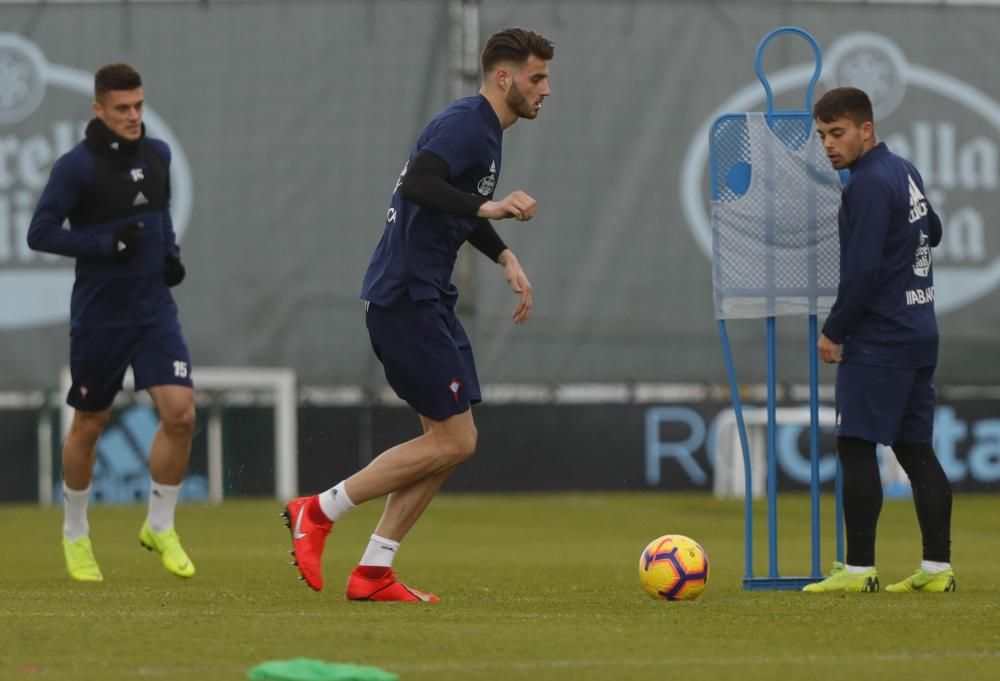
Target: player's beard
[(517, 103)]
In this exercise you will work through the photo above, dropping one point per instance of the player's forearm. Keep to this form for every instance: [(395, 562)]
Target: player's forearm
[(426, 184), (838, 325), (862, 260), (486, 240), (46, 234), (170, 237), (852, 301), (61, 193), (434, 193)]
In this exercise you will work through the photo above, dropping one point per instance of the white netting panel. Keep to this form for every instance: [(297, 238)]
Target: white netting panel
[(776, 251)]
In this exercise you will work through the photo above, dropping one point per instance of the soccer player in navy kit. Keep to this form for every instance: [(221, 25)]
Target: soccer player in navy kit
[(443, 198), (882, 334), (114, 189)]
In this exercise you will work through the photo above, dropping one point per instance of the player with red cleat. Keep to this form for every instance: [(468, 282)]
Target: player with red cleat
[(443, 198), (310, 528), (372, 583)]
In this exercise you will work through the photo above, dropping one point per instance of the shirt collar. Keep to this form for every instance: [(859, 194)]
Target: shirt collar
[(870, 156)]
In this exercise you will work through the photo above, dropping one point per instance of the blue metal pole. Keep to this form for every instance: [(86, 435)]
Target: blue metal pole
[(744, 444), (772, 459), (814, 443)]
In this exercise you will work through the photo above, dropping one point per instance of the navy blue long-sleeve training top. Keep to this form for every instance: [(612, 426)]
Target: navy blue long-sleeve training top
[(99, 185), (884, 312), (418, 249)]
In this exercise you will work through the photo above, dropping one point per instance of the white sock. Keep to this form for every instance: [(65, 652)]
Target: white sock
[(858, 569), (380, 552), (932, 567), (335, 502), (162, 502), (75, 523)]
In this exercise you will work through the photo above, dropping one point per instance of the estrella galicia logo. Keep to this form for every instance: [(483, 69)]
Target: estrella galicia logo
[(947, 129), (44, 109)]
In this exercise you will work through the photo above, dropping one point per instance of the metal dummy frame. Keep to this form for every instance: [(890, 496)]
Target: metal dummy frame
[(774, 580)]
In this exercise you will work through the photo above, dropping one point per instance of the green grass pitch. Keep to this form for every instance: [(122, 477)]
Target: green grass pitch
[(533, 587)]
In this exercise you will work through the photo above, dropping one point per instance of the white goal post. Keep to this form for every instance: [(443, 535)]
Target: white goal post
[(280, 383)]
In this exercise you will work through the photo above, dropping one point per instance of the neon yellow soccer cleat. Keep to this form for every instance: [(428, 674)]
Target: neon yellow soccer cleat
[(928, 582), (840, 580), (168, 545), (80, 561)]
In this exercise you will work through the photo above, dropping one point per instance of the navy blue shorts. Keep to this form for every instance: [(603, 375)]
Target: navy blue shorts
[(426, 356), (885, 404), (98, 359)]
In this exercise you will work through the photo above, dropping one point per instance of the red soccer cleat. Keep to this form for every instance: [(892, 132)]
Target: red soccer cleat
[(369, 583), (309, 527)]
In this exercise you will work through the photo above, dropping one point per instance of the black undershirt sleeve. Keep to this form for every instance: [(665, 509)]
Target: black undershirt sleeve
[(486, 240), (426, 184)]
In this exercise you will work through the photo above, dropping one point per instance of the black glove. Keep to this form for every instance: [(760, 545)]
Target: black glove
[(173, 270), (126, 241)]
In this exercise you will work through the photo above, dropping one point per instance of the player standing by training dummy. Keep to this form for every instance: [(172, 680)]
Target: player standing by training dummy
[(114, 188), (443, 198), (883, 335)]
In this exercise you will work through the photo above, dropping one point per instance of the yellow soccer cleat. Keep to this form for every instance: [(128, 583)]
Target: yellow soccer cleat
[(80, 561), (927, 582), (168, 545), (842, 581)]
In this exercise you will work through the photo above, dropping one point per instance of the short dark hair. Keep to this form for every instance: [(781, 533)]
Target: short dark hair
[(115, 77), (844, 102), (515, 45)]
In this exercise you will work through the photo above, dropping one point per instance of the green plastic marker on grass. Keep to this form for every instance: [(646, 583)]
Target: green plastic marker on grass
[(304, 669)]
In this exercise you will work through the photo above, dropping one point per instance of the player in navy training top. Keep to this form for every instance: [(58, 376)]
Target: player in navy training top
[(443, 198), (882, 334), (114, 189)]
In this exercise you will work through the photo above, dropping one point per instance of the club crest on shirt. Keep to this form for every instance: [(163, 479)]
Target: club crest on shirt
[(922, 258), (487, 185)]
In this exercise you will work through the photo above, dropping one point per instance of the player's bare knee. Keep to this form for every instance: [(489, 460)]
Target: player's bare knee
[(88, 426), (465, 444), (87, 433), (179, 422), (457, 447)]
